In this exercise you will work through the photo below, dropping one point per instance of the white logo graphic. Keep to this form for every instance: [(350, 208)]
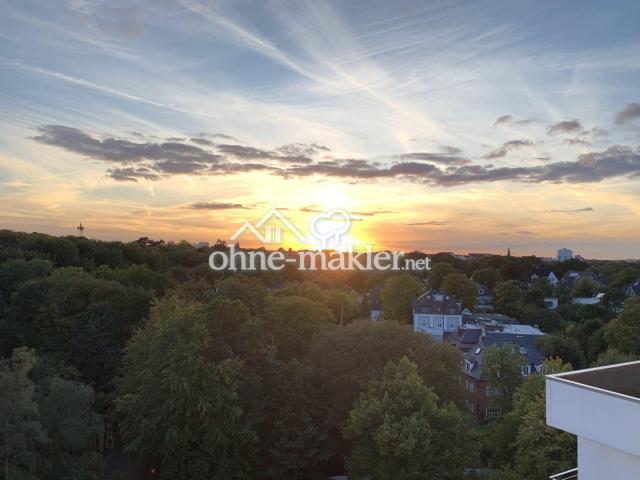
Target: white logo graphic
[(326, 228)]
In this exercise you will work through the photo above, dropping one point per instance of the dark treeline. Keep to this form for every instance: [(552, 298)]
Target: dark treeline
[(136, 360)]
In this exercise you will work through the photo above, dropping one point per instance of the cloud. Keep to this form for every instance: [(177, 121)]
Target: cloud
[(431, 223), (443, 158), (216, 206), (572, 211), (509, 120), (566, 126), (627, 114), (525, 232), (510, 145), (158, 159), (576, 141), (121, 150)]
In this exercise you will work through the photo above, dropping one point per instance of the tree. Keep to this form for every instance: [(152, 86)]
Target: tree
[(459, 285), (397, 296), (438, 272), (508, 298), (584, 287), (251, 291), (203, 397), (22, 435), (535, 298), (345, 360), (397, 426), (623, 333), (612, 356), (73, 427), (294, 322), (503, 367), (488, 277), (563, 347), (344, 306), (540, 450)]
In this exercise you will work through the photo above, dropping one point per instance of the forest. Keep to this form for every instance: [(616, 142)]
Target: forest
[(136, 360)]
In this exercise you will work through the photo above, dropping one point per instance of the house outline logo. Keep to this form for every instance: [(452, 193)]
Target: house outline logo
[(273, 234)]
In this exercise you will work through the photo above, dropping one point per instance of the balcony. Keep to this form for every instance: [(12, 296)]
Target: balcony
[(568, 475), (602, 407)]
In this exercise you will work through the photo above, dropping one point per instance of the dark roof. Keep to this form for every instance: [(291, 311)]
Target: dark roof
[(571, 277), (438, 301), (633, 289), (524, 344), (490, 319), (471, 335)]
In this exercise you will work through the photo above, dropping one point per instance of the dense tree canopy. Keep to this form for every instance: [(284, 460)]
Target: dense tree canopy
[(397, 296)]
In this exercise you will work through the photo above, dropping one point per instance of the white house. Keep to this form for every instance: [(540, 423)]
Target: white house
[(553, 279), (551, 302), (437, 313), (602, 407), (588, 300)]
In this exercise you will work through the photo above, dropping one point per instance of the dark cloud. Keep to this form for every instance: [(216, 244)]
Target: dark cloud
[(130, 174), (525, 232), (450, 150), (509, 120), (121, 150), (154, 160), (217, 206), (572, 211), (202, 141), (510, 145), (222, 136), (628, 113), (432, 223), (566, 126)]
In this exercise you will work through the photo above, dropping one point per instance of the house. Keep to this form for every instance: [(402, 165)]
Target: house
[(551, 302), (553, 279), (484, 298), (565, 254), (475, 378), (633, 290), (572, 277), (588, 300), (375, 303), (437, 313)]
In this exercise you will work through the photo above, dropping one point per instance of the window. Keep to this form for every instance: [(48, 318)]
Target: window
[(471, 386), (492, 412), (524, 370)]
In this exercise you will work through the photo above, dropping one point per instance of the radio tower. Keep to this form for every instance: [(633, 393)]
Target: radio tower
[(80, 229)]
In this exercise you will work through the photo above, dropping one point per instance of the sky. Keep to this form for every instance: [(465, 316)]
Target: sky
[(440, 126)]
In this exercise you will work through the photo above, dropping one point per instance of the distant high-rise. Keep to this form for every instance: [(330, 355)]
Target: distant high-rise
[(565, 254)]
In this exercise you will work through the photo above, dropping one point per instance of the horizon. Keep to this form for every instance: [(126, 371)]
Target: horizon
[(439, 126)]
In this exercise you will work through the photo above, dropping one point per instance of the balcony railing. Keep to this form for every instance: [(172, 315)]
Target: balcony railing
[(568, 475)]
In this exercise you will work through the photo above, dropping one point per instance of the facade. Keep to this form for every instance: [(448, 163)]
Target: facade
[(474, 369), (551, 302), (437, 313), (602, 407), (565, 254), (553, 279), (484, 298)]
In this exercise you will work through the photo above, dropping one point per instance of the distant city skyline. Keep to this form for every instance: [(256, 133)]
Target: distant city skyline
[(442, 126)]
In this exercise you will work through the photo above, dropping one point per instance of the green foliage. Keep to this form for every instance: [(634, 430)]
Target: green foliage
[(563, 347), (294, 322), (613, 356), (438, 273), (49, 428), (203, 397), (397, 296), (508, 298), (623, 333), (397, 428), (488, 277), (584, 287), (503, 373), (459, 285), (251, 291), (534, 298)]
